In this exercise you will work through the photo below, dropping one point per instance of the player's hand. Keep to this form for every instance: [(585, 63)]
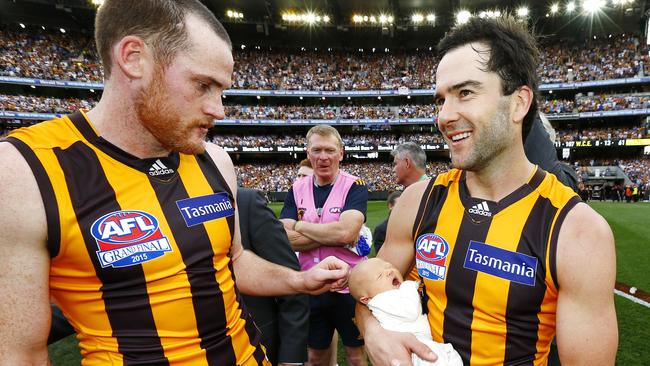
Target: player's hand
[(329, 274), (387, 348)]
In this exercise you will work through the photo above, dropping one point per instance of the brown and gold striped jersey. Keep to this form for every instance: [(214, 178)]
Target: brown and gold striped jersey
[(489, 267), (139, 250)]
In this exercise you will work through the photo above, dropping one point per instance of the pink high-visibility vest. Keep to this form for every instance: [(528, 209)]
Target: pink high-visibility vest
[(303, 194)]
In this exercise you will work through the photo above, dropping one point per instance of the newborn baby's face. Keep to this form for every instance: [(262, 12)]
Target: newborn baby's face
[(381, 276)]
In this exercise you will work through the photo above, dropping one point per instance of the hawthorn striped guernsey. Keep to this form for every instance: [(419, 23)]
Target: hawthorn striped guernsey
[(492, 292), (139, 284)]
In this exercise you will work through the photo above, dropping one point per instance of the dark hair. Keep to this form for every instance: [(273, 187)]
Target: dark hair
[(513, 54), (161, 24), (393, 197)]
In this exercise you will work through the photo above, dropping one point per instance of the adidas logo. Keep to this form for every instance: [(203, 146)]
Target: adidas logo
[(481, 209), (158, 168)]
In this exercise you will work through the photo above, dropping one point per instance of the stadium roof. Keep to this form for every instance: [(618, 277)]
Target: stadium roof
[(262, 22)]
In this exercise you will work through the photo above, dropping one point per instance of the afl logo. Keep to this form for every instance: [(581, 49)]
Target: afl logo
[(431, 247), (431, 256), (128, 237)]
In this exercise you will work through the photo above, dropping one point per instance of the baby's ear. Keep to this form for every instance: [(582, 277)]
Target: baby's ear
[(364, 300)]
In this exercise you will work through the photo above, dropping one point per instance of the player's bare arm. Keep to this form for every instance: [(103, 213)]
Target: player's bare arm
[(587, 332), (24, 304), (385, 347)]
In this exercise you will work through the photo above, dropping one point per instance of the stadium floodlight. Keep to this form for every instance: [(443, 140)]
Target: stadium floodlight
[(431, 17), (555, 8), (408, 97), (356, 18), (92, 90), (570, 7), (326, 19), (301, 97), (98, 2), (62, 30), (593, 6), (365, 18), (42, 27), (373, 19), (522, 12), (417, 18), (258, 97), (237, 15), (21, 25), (310, 18), (390, 19), (379, 97), (383, 19), (463, 16)]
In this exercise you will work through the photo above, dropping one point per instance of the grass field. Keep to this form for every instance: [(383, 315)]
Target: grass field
[(631, 226)]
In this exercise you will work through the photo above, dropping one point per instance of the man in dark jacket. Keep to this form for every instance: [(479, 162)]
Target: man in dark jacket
[(283, 320)]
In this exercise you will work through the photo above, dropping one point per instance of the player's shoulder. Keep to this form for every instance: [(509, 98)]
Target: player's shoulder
[(12, 161), (582, 221), (224, 164)]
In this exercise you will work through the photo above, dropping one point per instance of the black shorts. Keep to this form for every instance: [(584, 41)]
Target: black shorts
[(329, 311)]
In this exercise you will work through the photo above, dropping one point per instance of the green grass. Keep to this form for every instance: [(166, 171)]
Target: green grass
[(630, 224)]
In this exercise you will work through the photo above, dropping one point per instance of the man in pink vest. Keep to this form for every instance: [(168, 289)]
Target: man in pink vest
[(323, 214)]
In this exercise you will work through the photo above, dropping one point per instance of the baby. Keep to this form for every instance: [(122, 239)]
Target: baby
[(396, 305)]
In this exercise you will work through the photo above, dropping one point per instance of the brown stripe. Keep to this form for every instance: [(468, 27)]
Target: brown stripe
[(80, 123), (524, 302), (47, 194), (124, 290), (433, 193), (555, 234)]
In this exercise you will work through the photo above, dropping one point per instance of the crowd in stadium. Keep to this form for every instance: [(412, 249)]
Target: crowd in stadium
[(638, 170), (48, 55), (29, 103), (608, 133), (279, 177), (231, 140), (609, 58), (380, 177), (57, 56), (595, 103)]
